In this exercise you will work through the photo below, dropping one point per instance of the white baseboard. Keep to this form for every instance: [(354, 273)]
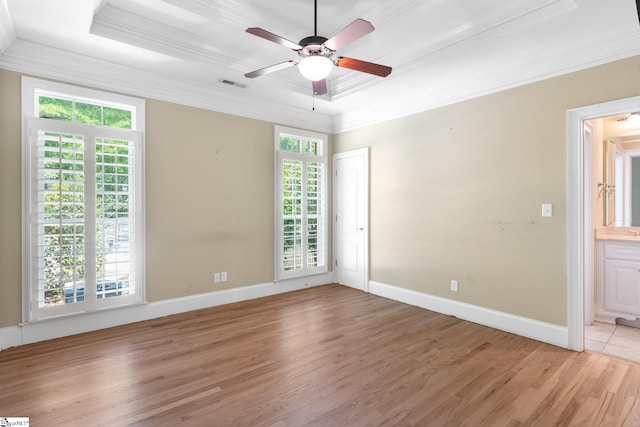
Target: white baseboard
[(605, 316), (10, 337), (47, 329), (69, 325), (530, 328)]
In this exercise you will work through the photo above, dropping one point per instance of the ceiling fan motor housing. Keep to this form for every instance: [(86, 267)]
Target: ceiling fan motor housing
[(313, 46)]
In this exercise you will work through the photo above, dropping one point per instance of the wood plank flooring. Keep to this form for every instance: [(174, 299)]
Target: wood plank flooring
[(325, 356)]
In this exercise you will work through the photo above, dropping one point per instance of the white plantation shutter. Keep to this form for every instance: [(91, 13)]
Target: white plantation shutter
[(301, 231), (59, 224), (84, 217), (316, 218), (116, 209), (292, 218)]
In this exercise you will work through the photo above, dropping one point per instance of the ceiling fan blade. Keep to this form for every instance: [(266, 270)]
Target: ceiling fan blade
[(271, 69), (274, 38), (348, 34), (320, 87), (364, 66)]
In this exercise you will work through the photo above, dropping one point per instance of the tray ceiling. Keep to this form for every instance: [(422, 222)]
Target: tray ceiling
[(196, 52)]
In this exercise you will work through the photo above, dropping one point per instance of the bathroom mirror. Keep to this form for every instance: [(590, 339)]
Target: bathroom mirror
[(622, 181), (608, 189)]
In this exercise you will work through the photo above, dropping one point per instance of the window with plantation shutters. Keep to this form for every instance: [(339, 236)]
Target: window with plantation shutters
[(84, 226), (301, 229)]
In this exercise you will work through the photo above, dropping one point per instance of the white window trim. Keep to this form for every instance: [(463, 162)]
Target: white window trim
[(30, 86), (322, 158), (30, 89)]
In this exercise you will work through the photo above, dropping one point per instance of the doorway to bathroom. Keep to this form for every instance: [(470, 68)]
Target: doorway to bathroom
[(612, 299), (601, 149)]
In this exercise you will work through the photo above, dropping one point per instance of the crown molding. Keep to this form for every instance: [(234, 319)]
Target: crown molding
[(29, 58), (484, 82), (44, 61), (500, 22), (429, 81)]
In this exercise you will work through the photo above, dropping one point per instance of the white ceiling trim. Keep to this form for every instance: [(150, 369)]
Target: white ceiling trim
[(226, 10), (44, 61), (127, 27), (178, 50), (501, 23), (481, 85), (134, 29), (30, 58)]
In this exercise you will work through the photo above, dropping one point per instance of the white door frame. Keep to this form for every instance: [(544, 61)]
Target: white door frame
[(579, 218), (363, 152), (589, 291)]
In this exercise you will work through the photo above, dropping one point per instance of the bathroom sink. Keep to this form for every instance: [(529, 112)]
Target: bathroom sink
[(618, 233), (619, 237)]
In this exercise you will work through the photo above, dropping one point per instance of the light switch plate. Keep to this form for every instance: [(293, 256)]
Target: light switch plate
[(547, 210)]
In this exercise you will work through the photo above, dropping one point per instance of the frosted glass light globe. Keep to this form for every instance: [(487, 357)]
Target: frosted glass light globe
[(315, 67)]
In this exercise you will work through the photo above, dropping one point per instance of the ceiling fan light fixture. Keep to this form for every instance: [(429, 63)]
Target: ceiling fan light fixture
[(634, 120), (315, 67)]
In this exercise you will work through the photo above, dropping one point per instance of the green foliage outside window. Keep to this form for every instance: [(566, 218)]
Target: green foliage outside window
[(83, 112), (299, 145)]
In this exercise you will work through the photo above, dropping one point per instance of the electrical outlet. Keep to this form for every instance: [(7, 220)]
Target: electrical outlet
[(223, 276), (454, 286), (216, 278)]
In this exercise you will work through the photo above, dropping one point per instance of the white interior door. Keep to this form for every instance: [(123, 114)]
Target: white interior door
[(350, 219)]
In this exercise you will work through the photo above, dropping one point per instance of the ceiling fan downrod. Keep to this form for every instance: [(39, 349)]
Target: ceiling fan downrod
[(315, 18)]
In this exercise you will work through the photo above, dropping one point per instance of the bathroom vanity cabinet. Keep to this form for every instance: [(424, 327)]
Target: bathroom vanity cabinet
[(618, 287)]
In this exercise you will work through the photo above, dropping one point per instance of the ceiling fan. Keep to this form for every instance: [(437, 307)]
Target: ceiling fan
[(316, 53)]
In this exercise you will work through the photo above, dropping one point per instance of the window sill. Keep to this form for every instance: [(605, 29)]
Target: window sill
[(83, 313)]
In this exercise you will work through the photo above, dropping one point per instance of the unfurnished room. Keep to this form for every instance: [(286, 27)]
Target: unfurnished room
[(318, 212)]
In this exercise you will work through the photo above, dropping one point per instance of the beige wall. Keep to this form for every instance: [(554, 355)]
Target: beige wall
[(10, 199), (456, 193), (209, 200)]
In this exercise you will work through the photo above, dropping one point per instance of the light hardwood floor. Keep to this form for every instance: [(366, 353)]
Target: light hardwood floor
[(326, 356)]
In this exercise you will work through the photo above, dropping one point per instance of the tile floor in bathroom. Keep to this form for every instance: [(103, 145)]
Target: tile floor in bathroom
[(614, 340)]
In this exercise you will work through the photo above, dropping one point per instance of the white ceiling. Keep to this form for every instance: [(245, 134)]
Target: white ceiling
[(441, 51)]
